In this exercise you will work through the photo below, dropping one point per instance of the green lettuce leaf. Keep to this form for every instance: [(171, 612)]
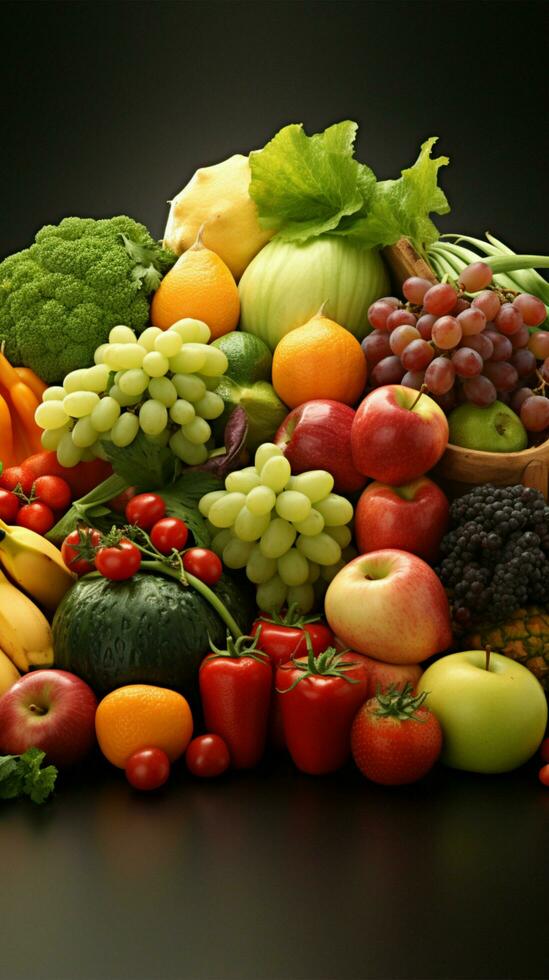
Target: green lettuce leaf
[(401, 208), (304, 185)]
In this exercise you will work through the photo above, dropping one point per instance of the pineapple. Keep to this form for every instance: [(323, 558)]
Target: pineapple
[(523, 636)]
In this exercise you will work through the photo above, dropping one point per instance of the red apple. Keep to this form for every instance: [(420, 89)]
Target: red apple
[(412, 518), (384, 675), (317, 436), (52, 710), (390, 605), (397, 434)]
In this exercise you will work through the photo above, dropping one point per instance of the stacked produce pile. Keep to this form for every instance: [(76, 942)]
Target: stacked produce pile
[(222, 534)]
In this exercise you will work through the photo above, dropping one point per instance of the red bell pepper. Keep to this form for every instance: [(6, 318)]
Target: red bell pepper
[(283, 637), (235, 690), (319, 698)]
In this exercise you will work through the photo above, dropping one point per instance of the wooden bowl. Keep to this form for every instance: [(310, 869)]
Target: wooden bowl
[(460, 469)]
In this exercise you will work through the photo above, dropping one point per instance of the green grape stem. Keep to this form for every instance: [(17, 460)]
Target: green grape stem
[(204, 590)]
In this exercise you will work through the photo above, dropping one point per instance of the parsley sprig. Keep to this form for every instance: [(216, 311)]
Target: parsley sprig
[(22, 775)]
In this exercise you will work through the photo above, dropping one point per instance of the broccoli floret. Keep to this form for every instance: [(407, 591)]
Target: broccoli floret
[(60, 297)]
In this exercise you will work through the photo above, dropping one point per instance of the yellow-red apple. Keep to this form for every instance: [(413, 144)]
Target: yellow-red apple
[(390, 605)]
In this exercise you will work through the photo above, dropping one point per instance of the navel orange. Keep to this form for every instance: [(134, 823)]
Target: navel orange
[(140, 715), (319, 360)]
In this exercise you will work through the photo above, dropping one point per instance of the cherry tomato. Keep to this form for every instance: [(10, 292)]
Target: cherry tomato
[(78, 550), (36, 517), (204, 564), (148, 769), (145, 509), (9, 506), (17, 476), (544, 750), (120, 502), (53, 491), (168, 534), (544, 775), (118, 562), (207, 756)]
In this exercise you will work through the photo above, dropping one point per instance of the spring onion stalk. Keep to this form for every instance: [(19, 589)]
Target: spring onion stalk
[(511, 271), (456, 257)]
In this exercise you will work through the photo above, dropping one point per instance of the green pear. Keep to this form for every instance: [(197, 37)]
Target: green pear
[(493, 429)]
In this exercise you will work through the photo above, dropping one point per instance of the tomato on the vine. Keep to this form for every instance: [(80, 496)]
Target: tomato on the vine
[(203, 564), (53, 491), (118, 561), (78, 550), (36, 517), (120, 502), (145, 509), (148, 769), (9, 506), (283, 635), (207, 756), (15, 476), (169, 534)]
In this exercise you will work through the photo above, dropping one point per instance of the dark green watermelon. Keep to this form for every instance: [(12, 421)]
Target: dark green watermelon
[(146, 630)]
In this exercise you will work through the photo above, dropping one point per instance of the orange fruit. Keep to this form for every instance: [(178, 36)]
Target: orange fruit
[(319, 360), (138, 716), (199, 286)]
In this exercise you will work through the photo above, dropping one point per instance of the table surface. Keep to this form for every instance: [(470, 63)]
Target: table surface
[(274, 874)]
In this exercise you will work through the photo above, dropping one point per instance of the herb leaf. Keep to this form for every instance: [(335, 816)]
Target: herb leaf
[(143, 463), (181, 499), (22, 775)]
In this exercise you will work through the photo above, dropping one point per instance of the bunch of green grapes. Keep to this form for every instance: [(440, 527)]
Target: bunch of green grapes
[(288, 532), (161, 382)]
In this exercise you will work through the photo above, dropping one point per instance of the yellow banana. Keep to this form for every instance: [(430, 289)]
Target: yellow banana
[(34, 564), (8, 673), (25, 634)]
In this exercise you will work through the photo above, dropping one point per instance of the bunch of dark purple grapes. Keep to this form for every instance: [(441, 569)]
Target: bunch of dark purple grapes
[(467, 341)]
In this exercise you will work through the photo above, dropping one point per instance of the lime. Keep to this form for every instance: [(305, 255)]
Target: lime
[(249, 357), (263, 407)]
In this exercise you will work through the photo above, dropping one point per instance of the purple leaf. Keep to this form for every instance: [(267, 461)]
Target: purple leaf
[(235, 434)]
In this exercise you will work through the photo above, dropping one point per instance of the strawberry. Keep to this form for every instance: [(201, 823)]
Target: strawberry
[(394, 738)]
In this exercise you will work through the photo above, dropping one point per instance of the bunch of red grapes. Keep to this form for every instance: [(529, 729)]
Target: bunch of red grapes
[(463, 347)]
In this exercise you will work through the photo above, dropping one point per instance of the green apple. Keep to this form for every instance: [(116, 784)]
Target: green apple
[(494, 428), (494, 719)]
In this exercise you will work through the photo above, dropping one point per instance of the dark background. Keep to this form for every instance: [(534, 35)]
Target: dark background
[(113, 106), (109, 108)]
